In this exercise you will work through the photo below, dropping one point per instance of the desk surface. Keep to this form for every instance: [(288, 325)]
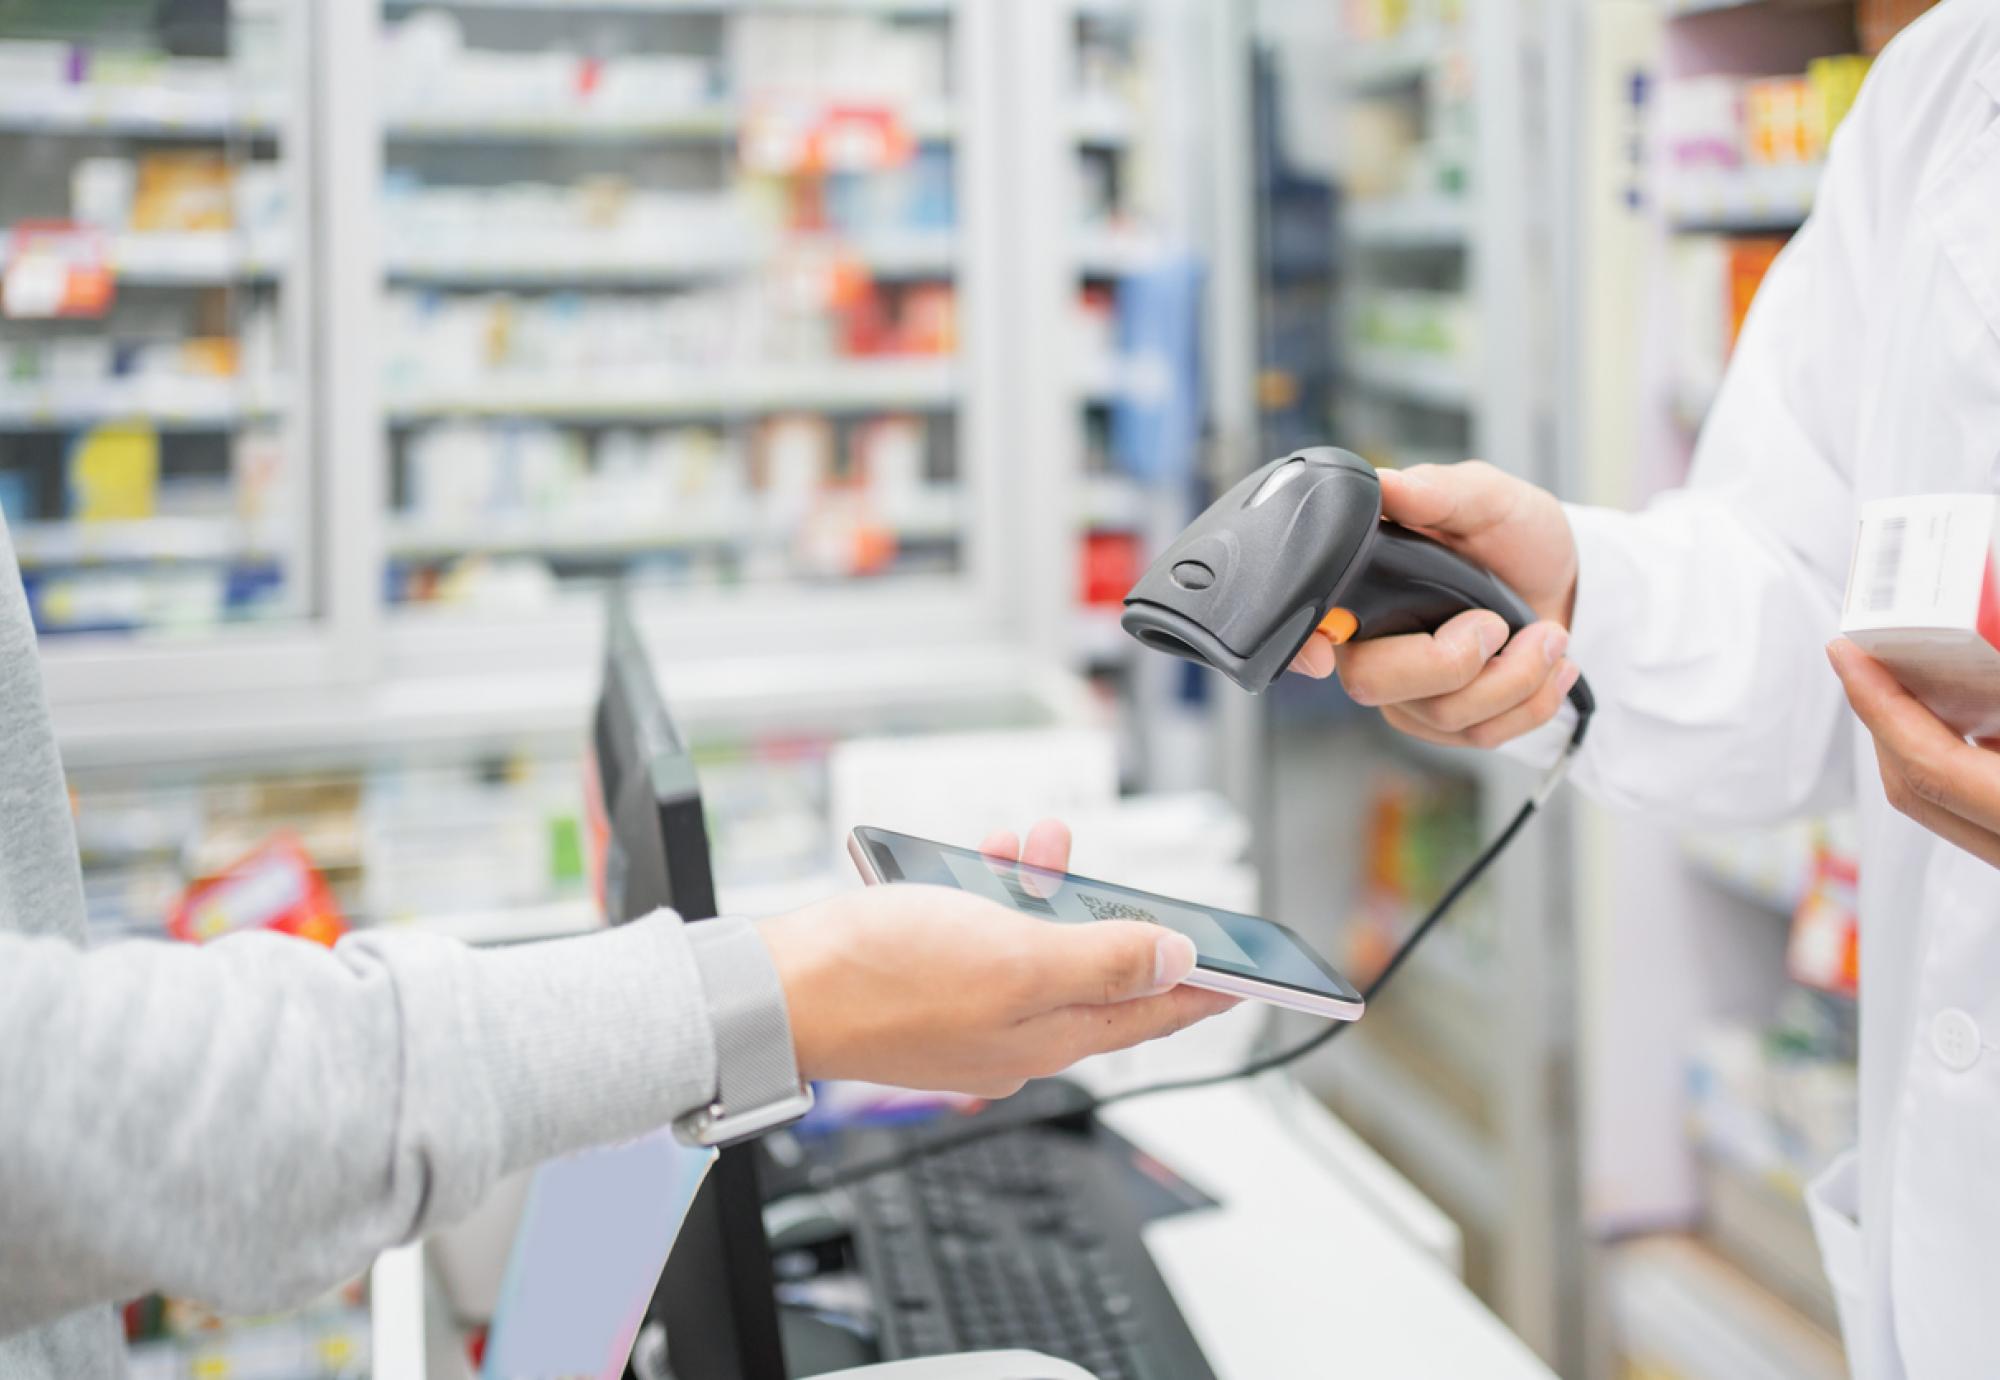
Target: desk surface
[(1301, 1275), (1319, 1263)]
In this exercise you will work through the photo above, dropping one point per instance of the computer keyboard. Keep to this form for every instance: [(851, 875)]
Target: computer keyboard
[(1028, 1239)]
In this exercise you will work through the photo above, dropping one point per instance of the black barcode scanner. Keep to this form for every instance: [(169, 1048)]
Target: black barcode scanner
[(1300, 546)]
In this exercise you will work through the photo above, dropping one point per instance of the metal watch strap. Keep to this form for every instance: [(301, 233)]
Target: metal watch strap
[(756, 1066)]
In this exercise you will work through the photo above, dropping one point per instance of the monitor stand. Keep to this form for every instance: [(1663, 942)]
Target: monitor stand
[(715, 1298)]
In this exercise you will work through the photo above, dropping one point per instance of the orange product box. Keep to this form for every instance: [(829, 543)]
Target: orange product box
[(1749, 260), (1780, 124), (182, 192), (274, 887)]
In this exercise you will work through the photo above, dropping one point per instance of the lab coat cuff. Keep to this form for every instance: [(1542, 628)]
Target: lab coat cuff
[(1607, 583), (1610, 585)]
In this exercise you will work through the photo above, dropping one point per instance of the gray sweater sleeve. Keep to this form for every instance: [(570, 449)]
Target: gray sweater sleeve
[(252, 1121)]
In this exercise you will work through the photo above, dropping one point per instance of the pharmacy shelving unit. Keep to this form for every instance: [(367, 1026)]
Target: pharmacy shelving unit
[(952, 562), (391, 591), (1680, 936), (156, 444), (734, 235), (1112, 123), (1462, 1074)]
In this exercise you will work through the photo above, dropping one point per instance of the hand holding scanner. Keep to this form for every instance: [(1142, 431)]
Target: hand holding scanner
[(1301, 546), (1298, 547)]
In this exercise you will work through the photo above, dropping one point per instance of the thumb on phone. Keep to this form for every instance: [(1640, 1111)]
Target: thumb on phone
[(1111, 961)]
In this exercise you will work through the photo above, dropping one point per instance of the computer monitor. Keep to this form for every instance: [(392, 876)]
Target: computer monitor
[(645, 800), (715, 1298)]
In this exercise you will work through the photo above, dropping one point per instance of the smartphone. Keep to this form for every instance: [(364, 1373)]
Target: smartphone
[(1238, 954)]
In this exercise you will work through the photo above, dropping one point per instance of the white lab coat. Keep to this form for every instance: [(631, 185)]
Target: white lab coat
[(1870, 365)]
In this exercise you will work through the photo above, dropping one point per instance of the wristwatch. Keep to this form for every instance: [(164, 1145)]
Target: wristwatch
[(756, 1068)]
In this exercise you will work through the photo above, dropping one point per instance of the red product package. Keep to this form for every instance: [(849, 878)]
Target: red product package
[(1112, 564), (1824, 950), (274, 887)]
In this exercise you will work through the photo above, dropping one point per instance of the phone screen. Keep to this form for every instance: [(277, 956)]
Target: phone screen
[(1224, 941)]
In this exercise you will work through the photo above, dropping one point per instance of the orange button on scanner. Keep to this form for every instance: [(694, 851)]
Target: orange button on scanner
[(1338, 626)]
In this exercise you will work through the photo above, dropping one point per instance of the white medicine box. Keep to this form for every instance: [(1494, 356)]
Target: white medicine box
[(1923, 598)]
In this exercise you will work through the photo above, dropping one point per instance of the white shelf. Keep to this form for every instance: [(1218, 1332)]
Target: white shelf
[(933, 517), (1414, 222), (720, 122), (698, 122), (905, 8), (1754, 197), (194, 259), (1433, 380), (1111, 379), (1771, 868), (184, 404), (1103, 252), (1416, 1129), (516, 925), (571, 260), (147, 539), (1680, 9), (1407, 58), (1682, 1309), (852, 387), (148, 111), (854, 685), (1101, 380), (1113, 503), (777, 897), (1103, 122), (1097, 639)]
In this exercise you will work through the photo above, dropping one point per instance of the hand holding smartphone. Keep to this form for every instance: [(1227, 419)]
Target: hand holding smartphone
[(1241, 955)]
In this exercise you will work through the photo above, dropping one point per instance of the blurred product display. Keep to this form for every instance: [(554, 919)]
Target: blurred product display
[(1715, 278), (147, 461), (1746, 152), (781, 287), (469, 844), (175, 1340), (1408, 167)]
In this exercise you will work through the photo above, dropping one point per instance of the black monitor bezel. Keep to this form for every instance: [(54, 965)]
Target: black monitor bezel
[(658, 847)]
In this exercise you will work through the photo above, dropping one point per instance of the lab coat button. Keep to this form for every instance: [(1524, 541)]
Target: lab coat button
[(1955, 1040)]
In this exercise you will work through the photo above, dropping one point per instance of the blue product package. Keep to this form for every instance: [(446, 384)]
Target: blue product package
[(931, 204), (1156, 428), (17, 496)]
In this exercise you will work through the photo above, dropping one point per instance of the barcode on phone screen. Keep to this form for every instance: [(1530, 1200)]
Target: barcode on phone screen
[(1025, 899), (1886, 567)]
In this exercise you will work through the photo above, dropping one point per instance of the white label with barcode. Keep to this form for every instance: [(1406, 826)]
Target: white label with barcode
[(1885, 563), (1899, 566)]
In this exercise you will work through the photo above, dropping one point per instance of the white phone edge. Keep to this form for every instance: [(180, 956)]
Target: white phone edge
[(863, 864), (1236, 985), (1230, 984)]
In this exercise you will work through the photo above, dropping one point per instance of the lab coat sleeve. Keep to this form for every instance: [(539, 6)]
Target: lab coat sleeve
[(1701, 622)]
